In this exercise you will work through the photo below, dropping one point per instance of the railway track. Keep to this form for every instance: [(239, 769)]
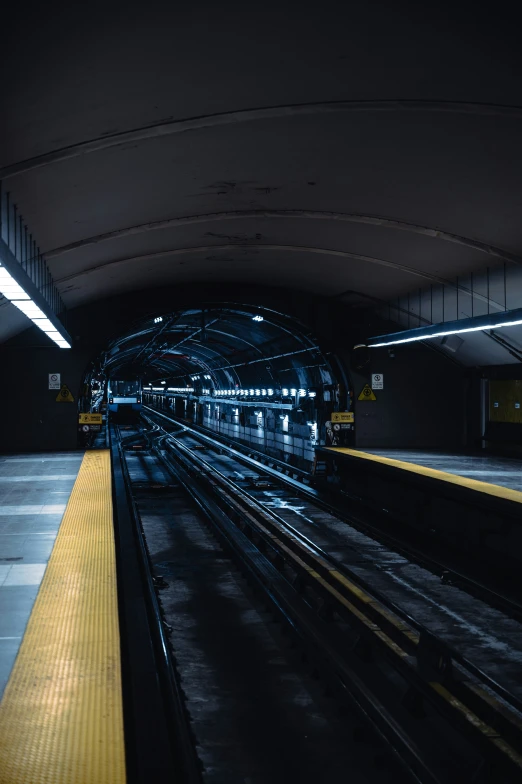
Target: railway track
[(435, 671), (255, 710), (497, 587)]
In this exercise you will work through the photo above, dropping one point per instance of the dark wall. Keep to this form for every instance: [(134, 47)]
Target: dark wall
[(32, 419), (423, 403)]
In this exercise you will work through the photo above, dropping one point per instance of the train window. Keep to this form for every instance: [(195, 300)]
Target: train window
[(125, 388)]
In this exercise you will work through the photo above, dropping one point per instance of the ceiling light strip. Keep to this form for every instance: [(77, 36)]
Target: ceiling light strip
[(508, 318), (17, 287)]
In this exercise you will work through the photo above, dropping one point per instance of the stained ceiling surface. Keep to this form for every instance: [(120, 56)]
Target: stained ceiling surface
[(368, 148)]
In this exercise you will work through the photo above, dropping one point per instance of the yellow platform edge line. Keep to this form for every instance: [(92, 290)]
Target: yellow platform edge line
[(61, 716), (472, 484)]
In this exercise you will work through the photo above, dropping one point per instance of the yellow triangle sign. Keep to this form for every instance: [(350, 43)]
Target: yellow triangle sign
[(64, 395), (367, 393)]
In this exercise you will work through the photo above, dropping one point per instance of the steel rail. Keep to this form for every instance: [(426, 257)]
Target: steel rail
[(157, 732), (394, 633), (259, 460), (311, 631)]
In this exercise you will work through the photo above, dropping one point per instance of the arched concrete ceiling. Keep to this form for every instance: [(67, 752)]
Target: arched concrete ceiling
[(326, 148), (225, 347)]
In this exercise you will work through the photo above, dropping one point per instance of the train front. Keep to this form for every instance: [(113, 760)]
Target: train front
[(125, 398)]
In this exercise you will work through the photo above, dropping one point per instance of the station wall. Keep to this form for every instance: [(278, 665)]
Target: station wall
[(422, 405), (33, 420)]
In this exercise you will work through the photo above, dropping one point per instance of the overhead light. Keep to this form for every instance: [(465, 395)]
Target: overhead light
[(9, 287), (258, 392), (158, 319), (509, 318), (284, 392), (163, 382), (263, 391), (44, 324), (251, 392), (31, 310), (293, 392), (257, 318), (270, 392), (312, 394), (302, 392), (16, 295)]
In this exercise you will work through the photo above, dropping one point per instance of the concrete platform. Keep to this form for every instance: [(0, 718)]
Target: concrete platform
[(470, 502), (503, 471), (34, 491)]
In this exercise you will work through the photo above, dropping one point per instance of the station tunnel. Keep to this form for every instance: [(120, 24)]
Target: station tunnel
[(261, 350)]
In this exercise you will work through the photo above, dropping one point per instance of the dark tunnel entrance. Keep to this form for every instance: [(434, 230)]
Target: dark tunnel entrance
[(246, 373)]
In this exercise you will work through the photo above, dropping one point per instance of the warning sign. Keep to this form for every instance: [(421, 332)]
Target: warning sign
[(64, 395), (367, 393), (342, 416), (377, 381), (54, 381), (90, 419)]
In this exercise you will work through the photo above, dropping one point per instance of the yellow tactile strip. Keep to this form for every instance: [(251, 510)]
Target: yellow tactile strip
[(472, 484), (61, 717)]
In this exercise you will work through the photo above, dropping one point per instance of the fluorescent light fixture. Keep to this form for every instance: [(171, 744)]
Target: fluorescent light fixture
[(45, 325), (293, 392), (312, 394), (257, 318), (158, 319), (163, 382), (10, 288), (31, 310), (251, 392), (302, 392), (258, 392), (285, 392), (270, 392), (263, 391), (509, 318), (15, 293)]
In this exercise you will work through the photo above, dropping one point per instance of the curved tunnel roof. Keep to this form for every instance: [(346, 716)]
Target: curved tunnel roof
[(224, 347), (370, 150)]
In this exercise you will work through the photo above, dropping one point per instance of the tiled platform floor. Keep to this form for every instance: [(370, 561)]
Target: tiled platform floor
[(34, 490)]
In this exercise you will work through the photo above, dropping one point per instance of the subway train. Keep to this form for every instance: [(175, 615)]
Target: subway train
[(124, 397)]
